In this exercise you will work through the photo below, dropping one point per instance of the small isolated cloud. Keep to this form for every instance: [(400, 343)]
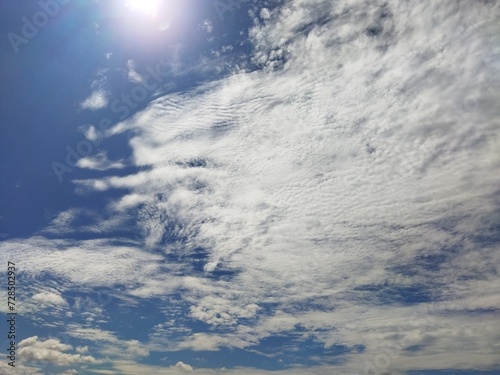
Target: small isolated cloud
[(64, 219), (133, 76), (90, 132), (99, 162), (48, 298), (97, 100), (207, 26), (265, 13), (52, 351)]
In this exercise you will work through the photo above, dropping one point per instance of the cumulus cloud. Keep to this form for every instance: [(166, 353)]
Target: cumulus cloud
[(265, 13), (183, 367), (51, 350), (48, 298)]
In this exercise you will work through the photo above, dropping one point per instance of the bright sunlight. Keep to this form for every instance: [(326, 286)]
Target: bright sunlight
[(146, 7)]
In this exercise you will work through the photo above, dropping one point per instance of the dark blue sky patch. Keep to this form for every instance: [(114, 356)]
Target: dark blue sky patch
[(395, 294)]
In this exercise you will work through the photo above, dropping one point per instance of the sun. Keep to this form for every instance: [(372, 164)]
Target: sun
[(146, 7)]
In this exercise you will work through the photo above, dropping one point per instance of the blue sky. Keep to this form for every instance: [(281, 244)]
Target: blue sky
[(251, 187)]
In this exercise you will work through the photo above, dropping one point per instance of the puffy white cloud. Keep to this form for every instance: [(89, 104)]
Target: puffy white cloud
[(51, 350), (265, 13), (49, 298), (183, 367), (215, 310)]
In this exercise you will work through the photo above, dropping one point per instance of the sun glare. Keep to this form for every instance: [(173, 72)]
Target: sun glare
[(146, 7)]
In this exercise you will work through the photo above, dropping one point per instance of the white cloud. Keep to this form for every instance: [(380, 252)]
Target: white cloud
[(90, 132), (117, 265), (130, 201), (216, 311), (51, 350), (329, 171), (48, 298), (207, 26), (20, 368), (99, 162), (109, 343), (183, 367), (97, 100), (82, 349), (339, 175), (265, 13), (133, 76), (63, 223)]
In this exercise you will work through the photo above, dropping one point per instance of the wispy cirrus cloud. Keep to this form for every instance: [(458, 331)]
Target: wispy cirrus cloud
[(310, 195), (99, 162)]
